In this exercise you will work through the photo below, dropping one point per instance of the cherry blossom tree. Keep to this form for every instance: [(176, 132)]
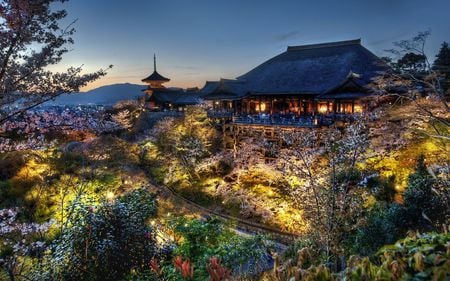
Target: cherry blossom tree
[(19, 241), (34, 127), (321, 167), (32, 40)]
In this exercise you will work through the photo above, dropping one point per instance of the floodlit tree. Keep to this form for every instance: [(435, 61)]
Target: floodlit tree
[(31, 40), (19, 241), (410, 85), (102, 242), (325, 179)]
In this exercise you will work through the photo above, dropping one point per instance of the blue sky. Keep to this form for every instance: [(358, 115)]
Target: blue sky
[(198, 40)]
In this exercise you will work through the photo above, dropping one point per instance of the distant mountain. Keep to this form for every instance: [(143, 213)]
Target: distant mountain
[(105, 95)]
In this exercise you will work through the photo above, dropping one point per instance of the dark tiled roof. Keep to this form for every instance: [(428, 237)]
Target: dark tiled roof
[(209, 87), (314, 68), (176, 97), (227, 89), (310, 70), (155, 76)]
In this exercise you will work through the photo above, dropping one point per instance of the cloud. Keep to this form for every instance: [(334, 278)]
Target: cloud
[(286, 36)]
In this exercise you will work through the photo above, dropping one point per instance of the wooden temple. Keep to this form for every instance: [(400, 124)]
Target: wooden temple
[(320, 80)]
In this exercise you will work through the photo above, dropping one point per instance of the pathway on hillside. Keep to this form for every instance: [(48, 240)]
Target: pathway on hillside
[(242, 225)]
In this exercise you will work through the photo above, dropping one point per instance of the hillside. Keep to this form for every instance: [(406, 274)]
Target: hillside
[(105, 95)]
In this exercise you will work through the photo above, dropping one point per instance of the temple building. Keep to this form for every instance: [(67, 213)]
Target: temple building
[(158, 97), (327, 79)]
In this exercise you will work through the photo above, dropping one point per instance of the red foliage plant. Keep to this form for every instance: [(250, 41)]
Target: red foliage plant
[(216, 271), (154, 266), (185, 267)]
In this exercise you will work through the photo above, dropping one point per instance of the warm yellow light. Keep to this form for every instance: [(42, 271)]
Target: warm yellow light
[(323, 108), (270, 192), (357, 108), (153, 223), (263, 106), (109, 195)]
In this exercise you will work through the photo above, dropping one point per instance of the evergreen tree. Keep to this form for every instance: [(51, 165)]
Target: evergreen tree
[(442, 65), (422, 210), (425, 209), (412, 62)]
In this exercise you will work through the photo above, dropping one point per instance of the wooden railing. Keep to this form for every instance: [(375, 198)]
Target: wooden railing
[(307, 121), (282, 120), (219, 114)]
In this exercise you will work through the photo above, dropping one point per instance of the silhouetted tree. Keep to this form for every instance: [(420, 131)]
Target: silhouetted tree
[(31, 40), (442, 65), (408, 84), (412, 62)]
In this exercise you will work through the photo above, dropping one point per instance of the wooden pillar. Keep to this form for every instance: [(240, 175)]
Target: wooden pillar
[(259, 101), (353, 106), (271, 106)]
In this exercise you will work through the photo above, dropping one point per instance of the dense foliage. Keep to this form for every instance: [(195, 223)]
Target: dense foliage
[(201, 240), (442, 66), (102, 242), (419, 257), (424, 208)]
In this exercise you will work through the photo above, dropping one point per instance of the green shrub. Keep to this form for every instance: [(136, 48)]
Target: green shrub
[(203, 239), (10, 164), (68, 162), (381, 228), (105, 242), (423, 210), (421, 257), (382, 188)]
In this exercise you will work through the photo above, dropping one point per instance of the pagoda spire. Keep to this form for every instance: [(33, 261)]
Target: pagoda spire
[(155, 79)]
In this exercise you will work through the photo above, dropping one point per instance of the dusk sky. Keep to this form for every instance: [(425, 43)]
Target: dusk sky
[(199, 40)]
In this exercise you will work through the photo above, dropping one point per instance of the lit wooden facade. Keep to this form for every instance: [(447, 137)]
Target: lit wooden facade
[(309, 80)]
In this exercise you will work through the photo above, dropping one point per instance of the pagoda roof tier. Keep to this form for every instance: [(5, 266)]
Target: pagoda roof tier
[(155, 77)]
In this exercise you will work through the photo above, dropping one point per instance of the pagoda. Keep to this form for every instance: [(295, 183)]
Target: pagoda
[(155, 80)]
